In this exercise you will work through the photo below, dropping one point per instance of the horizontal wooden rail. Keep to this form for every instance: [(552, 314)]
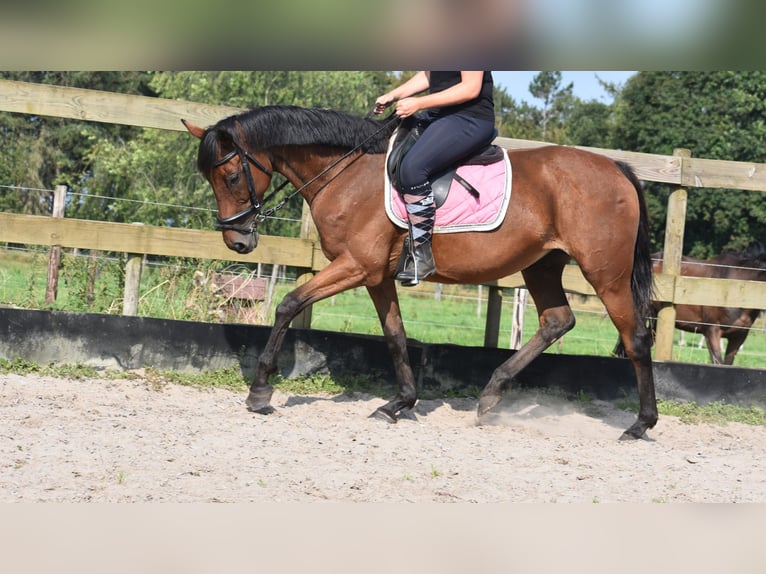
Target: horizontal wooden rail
[(302, 253), (674, 289), (149, 239), (160, 113), (106, 107), (677, 170), (709, 291), (649, 167)]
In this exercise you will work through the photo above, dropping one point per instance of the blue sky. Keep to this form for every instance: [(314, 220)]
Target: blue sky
[(586, 85)]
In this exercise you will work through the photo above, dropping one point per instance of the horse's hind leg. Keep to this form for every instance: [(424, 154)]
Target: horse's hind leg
[(636, 337), (543, 280), (733, 344), (386, 302)]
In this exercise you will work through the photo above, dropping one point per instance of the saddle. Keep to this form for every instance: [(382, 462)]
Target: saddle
[(408, 133)]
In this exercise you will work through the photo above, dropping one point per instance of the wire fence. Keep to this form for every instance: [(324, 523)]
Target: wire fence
[(142, 202)]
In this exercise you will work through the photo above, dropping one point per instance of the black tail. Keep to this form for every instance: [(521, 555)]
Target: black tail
[(642, 281)]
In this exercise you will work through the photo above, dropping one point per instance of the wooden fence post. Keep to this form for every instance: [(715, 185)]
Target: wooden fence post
[(54, 256), (519, 308), (133, 269), (494, 311), (308, 231), (671, 265)]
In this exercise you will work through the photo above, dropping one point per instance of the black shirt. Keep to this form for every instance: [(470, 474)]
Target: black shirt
[(482, 107)]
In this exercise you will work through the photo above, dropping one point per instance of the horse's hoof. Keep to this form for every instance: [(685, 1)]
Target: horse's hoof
[(487, 403), (258, 402), (635, 432), (638, 428), (382, 415)]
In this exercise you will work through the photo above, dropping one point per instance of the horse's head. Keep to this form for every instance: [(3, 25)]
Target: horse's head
[(226, 164), (756, 252)]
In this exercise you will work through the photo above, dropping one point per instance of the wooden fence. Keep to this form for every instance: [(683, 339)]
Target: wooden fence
[(304, 253)]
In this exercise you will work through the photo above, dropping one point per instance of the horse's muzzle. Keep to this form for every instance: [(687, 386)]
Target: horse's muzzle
[(242, 243)]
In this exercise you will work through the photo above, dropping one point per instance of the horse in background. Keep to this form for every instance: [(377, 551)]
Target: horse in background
[(716, 323)]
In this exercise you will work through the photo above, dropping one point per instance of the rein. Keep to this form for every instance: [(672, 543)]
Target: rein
[(254, 210)]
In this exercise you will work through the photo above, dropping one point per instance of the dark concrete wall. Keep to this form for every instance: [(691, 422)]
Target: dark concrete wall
[(119, 342)]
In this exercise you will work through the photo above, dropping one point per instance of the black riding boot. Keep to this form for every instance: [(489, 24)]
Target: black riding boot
[(415, 263)]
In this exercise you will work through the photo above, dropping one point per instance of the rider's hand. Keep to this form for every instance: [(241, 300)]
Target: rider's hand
[(381, 104), (407, 107)]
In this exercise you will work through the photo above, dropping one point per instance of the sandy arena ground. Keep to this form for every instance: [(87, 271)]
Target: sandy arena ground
[(129, 441)]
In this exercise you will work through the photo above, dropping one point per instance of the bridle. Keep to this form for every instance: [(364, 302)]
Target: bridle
[(253, 214)]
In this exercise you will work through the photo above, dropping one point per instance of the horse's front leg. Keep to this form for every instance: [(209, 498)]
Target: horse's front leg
[(386, 302), (259, 397), (337, 277)]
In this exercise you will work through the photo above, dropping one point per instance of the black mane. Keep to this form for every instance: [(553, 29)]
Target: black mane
[(269, 126)]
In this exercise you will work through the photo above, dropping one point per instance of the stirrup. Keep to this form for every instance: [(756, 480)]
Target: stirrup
[(415, 264)]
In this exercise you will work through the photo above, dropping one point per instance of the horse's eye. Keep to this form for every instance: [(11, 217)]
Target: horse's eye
[(232, 179)]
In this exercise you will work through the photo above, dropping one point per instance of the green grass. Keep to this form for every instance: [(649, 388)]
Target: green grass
[(717, 413), (457, 318), (88, 284), (74, 371)]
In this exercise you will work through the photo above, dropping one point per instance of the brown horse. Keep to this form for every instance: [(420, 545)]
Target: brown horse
[(716, 323), (566, 203)]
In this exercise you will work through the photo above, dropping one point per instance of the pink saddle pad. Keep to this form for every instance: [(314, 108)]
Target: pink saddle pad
[(462, 211)]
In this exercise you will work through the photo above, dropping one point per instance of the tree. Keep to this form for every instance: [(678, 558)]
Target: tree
[(513, 120), (42, 152), (589, 124), (717, 115), (563, 117), (557, 102)]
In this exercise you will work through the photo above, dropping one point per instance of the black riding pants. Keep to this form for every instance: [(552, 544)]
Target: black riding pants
[(444, 142)]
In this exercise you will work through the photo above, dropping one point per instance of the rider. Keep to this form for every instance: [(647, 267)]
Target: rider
[(460, 117)]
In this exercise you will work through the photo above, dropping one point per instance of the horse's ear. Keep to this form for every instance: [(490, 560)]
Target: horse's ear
[(196, 131)]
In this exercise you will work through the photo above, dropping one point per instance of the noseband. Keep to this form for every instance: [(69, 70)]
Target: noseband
[(253, 213)]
